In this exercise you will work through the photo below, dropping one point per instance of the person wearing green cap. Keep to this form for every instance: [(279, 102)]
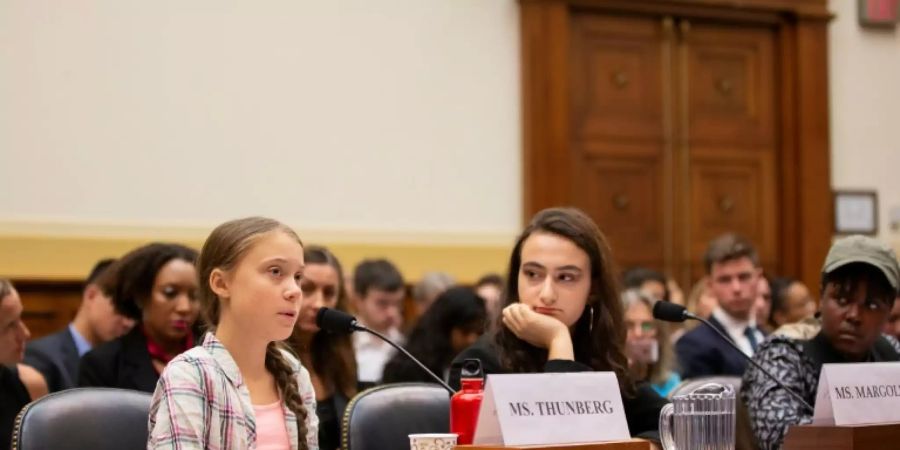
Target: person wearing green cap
[(860, 281)]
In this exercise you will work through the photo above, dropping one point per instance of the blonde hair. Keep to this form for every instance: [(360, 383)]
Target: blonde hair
[(659, 371), (223, 249)]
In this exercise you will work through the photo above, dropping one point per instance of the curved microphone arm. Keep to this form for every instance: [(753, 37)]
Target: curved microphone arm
[(752, 361), (403, 350)]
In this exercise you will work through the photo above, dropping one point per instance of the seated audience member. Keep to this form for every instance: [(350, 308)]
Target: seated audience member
[(701, 301), (155, 285), (859, 284), (733, 272), (427, 290), (892, 327), (791, 302), (379, 294), (242, 388), (490, 288), (563, 313), (762, 307), (19, 383), (452, 324), (327, 356), (56, 356), (650, 282), (647, 344)]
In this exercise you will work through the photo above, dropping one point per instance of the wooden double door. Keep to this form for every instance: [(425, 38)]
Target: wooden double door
[(671, 132)]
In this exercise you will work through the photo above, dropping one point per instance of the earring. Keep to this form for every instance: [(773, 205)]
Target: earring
[(591, 323)]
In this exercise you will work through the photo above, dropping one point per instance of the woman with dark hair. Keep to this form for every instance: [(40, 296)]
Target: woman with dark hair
[(791, 302), (562, 313), (453, 322), (156, 286), (328, 356), (860, 280)]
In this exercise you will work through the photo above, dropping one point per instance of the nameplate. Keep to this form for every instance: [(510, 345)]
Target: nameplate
[(551, 408), (858, 394)]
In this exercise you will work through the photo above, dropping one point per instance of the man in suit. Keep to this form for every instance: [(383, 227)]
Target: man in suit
[(56, 356), (733, 273)]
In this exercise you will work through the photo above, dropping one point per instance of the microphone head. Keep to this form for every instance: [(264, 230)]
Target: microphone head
[(335, 321), (669, 312)]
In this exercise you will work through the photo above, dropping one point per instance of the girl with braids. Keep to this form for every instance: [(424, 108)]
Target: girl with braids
[(241, 388), (562, 313), (328, 356)]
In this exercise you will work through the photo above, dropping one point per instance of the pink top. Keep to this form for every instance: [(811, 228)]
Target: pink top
[(271, 432)]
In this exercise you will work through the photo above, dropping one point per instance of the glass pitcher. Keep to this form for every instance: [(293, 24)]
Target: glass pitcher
[(700, 420)]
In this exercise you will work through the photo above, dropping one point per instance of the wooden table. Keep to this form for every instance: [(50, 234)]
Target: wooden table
[(817, 437), (631, 444)]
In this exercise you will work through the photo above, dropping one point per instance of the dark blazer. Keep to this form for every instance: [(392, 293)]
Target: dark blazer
[(56, 357), (641, 410), (121, 363), (701, 352), (13, 397)]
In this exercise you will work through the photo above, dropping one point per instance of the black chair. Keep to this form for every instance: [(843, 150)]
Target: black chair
[(84, 418), (687, 386), (383, 417)]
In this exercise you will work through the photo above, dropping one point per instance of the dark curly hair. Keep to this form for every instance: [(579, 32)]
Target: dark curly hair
[(430, 340), (129, 281), (597, 336)]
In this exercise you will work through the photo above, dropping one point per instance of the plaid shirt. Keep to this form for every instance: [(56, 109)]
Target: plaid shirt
[(201, 402)]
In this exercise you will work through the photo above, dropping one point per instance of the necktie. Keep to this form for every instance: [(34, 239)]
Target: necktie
[(750, 332)]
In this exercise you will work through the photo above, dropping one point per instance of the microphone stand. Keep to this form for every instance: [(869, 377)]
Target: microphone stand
[(761, 369), (358, 327)]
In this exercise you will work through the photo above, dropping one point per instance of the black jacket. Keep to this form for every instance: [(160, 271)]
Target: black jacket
[(56, 357), (641, 410), (121, 363), (13, 397)]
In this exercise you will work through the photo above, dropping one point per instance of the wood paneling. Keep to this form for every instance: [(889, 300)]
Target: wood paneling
[(48, 306), (671, 121)]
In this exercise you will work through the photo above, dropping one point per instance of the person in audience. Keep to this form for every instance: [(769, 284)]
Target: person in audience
[(647, 344), (733, 272), (452, 324), (379, 299), (860, 281), (676, 295), (791, 302), (155, 286), (892, 327), (701, 301), (762, 307), (563, 313), (648, 281), (490, 288), (56, 356), (427, 290), (19, 383), (328, 356), (242, 388)]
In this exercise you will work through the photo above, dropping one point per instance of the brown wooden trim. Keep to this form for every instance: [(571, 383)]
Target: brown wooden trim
[(808, 9), (815, 209), (545, 113)]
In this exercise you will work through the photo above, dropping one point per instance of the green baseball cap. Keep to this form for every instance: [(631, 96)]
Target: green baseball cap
[(866, 250)]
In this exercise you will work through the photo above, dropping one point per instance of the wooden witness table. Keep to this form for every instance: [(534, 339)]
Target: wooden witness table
[(631, 444), (867, 437)]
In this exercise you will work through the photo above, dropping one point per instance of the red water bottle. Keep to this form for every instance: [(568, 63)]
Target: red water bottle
[(464, 405)]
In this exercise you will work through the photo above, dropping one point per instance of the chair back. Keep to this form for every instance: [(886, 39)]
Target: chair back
[(82, 418), (383, 417)]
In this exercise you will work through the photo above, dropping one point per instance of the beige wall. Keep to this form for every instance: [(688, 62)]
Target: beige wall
[(388, 116), (865, 110), (369, 123)]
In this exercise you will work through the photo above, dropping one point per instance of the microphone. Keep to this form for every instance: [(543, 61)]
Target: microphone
[(671, 312), (339, 322)]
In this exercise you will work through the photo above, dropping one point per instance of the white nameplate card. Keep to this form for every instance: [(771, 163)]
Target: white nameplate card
[(858, 394), (551, 408)]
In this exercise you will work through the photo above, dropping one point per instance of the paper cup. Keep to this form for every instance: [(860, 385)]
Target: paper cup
[(433, 441)]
